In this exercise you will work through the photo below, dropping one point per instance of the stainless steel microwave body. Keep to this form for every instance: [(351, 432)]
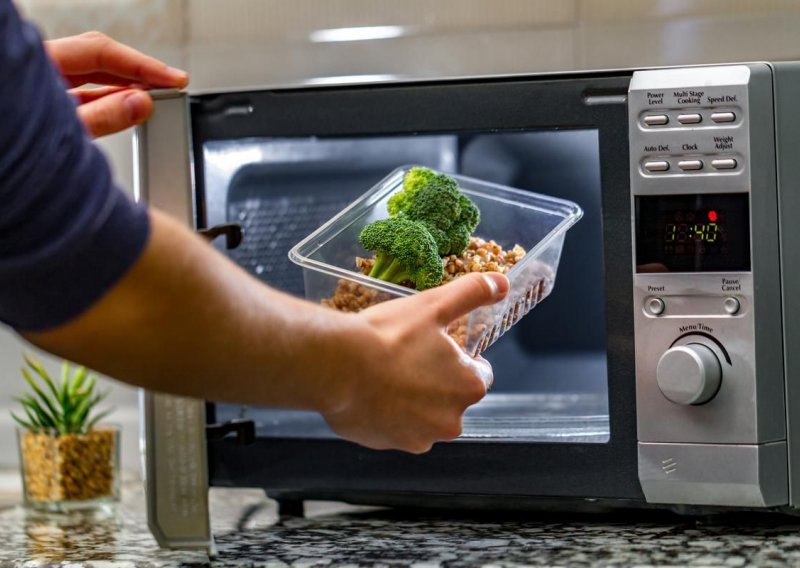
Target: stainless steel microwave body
[(662, 371)]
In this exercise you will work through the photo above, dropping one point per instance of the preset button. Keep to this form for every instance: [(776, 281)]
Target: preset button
[(656, 306)]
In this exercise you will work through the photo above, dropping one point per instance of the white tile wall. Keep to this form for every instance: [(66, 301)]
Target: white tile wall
[(247, 42)]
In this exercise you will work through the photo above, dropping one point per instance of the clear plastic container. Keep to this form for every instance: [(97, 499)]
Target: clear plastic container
[(509, 216)]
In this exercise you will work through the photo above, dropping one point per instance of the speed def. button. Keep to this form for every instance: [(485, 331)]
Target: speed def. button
[(723, 116), (656, 166)]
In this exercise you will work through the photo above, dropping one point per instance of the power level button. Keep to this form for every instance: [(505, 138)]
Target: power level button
[(655, 306)]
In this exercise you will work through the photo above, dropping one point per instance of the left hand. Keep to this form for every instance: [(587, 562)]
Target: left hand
[(123, 72)]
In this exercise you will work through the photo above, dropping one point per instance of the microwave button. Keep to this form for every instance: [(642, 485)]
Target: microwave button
[(723, 116), (691, 164), (692, 118), (731, 306), (656, 166), (724, 164), (689, 374), (656, 306), (656, 119)]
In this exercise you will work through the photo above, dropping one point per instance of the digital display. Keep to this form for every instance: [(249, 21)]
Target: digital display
[(693, 233)]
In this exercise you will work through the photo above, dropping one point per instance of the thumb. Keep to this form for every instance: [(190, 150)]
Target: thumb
[(115, 112), (459, 297)]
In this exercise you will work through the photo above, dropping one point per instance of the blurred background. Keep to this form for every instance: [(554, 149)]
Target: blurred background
[(240, 43)]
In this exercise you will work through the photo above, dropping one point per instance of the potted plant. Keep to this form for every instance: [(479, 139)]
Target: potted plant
[(68, 461)]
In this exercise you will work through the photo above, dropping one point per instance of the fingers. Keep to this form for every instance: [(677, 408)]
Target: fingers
[(462, 295), (103, 79), (115, 112), (482, 370), (89, 95), (93, 52)]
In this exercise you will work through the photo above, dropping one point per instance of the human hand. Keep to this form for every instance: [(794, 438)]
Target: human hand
[(124, 73), (409, 382)]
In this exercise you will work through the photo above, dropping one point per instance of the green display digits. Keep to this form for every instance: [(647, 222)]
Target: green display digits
[(684, 233)]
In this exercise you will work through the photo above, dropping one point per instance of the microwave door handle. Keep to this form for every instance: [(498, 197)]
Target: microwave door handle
[(232, 231)]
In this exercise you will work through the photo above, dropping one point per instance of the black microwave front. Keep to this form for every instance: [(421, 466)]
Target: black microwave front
[(657, 373)]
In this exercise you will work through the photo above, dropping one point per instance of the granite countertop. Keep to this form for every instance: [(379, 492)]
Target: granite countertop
[(248, 533)]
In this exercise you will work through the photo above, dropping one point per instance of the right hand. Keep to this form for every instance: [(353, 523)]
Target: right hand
[(409, 383)]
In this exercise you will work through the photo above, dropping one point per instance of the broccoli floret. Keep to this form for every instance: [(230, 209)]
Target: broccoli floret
[(437, 203), (458, 233), (404, 251), (436, 200), (414, 180), (470, 214)]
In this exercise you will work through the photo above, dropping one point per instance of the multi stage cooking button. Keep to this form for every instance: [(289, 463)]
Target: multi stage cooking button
[(692, 118), (690, 165), (656, 119), (724, 164), (656, 166), (723, 116)]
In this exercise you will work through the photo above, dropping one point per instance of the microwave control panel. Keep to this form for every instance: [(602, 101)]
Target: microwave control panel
[(706, 305)]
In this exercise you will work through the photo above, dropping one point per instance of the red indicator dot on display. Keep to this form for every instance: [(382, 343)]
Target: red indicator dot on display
[(712, 216)]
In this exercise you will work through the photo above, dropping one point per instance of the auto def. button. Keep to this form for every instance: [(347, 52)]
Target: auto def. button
[(656, 166)]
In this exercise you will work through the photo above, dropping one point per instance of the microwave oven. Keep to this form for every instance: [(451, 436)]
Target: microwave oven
[(661, 371)]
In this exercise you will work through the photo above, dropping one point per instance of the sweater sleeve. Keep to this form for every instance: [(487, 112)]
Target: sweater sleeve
[(67, 234)]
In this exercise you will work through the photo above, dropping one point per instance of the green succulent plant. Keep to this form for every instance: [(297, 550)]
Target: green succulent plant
[(64, 408)]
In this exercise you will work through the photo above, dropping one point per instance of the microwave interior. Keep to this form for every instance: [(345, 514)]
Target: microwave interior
[(281, 163), (551, 376)]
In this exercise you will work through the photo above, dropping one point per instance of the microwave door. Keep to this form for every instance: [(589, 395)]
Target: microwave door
[(560, 420)]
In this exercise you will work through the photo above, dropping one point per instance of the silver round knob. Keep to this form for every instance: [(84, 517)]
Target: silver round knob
[(689, 374)]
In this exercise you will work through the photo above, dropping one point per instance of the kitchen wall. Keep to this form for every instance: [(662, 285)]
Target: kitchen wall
[(251, 42)]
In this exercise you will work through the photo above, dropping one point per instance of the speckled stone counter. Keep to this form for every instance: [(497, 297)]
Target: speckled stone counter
[(248, 533)]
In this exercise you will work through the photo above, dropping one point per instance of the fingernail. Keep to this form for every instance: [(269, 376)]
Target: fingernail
[(492, 285), (136, 105), (181, 76), (498, 291)]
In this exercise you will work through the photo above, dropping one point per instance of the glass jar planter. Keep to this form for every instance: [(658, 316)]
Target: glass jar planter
[(65, 472)]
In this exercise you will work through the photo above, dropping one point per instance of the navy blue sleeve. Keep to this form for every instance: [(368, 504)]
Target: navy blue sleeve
[(67, 234)]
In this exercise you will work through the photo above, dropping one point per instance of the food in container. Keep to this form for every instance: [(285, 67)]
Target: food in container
[(511, 221)]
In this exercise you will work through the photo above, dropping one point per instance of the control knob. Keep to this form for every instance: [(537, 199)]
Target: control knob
[(689, 374)]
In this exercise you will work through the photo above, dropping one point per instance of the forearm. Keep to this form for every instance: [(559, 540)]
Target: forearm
[(188, 321)]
